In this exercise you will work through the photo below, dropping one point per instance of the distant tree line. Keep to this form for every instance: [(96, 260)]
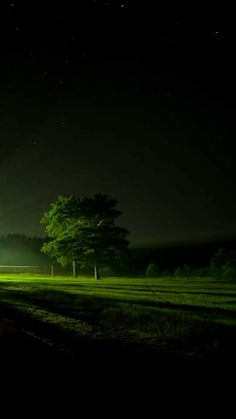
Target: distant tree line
[(21, 250), (198, 261), (221, 266), (18, 249)]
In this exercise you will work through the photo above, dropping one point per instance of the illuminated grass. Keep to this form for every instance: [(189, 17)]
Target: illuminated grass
[(191, 316), (199, 293)]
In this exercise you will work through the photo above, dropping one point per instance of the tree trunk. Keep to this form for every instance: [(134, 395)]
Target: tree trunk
[(96, 272), (75, 269)]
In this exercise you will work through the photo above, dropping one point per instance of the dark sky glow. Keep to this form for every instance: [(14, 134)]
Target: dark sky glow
[(138, 103)]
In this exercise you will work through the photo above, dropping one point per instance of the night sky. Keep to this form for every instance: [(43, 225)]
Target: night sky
[(138, 103)]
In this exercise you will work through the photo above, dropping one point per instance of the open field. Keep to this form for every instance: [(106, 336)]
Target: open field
[(63, 333)]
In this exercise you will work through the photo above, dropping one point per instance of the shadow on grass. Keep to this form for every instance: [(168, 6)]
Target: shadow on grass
[(107, 361), (70, 304), (146, 289), (189, 328)]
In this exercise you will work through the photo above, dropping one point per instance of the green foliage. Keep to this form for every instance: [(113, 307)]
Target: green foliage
[(223, 265), (185, 271), (107, 271), (229, 269), (151, 271), (201, 272), (216, 263), (84, 231)]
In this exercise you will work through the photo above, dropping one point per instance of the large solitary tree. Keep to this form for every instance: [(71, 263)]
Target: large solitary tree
[(83, 232)]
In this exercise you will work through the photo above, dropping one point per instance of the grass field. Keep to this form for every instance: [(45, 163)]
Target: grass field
[(64, 328)]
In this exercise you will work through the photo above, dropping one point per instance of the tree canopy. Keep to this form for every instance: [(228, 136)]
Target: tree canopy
[(84, 231)]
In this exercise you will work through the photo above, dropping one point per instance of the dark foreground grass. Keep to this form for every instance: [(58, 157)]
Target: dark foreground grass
[(164, 335)]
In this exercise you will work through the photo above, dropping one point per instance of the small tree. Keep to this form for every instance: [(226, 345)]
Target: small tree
[(218, 260), (229, 269), (83, 232), (151, 271)]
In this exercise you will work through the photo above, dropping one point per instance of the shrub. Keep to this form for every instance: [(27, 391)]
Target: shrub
[(151, 271), (229, 270), (201, 272), (223, 265), (185, 271), (216, 263)]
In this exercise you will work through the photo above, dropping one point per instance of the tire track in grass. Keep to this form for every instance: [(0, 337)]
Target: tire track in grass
[(91, 355), (74, 328), (69, 324)]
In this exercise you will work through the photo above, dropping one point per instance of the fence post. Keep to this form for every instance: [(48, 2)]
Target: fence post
[(52, 271)]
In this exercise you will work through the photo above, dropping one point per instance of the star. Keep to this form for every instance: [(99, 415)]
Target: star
[(216, 34)]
